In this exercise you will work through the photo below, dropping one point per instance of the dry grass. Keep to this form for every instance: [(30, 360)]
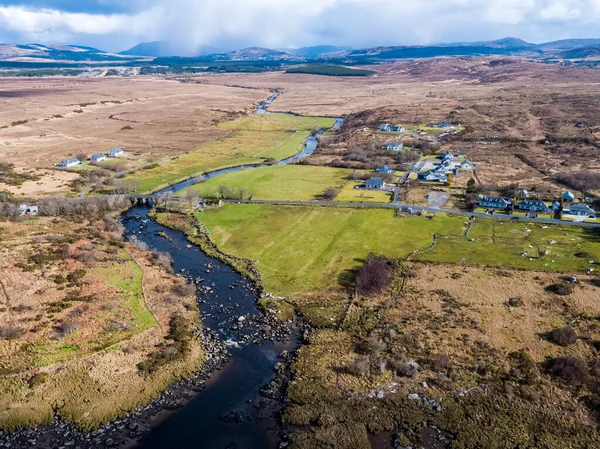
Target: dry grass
[(114, 314)]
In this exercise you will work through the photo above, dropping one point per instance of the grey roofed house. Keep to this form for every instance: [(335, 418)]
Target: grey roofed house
[(386, 127), (568, 196), (435, 175), (447, 156), (394, 146), (492, 202), (467, 165), (116, 152), (97, 157), (581, 210), (69, 162), (375, 183), (533, 206)]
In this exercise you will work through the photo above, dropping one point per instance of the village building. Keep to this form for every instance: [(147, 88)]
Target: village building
[(491, 202), (568, 197), (433, 176), (580, 210), (523, 193), (72, 162), (375, 183), (533, 206), (387, 128), (466, 165), (116, 152), (394, 146), (385, 169), (97, 157), (25, 209)]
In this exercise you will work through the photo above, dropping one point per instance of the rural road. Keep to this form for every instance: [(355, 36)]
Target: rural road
[(415, 208)]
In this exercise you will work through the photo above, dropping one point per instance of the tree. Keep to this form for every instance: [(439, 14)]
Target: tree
[(81, 156), (329, 194), (472, 187), (374, 276)]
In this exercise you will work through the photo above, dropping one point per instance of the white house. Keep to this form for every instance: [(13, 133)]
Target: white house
[(375, 183), (466, 165), (72, 162), (25, 209), (116, 152), (523, 193), (97, 157), (395, 146)]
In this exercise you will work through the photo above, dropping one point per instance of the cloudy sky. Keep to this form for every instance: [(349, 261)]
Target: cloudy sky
[(116, 25)]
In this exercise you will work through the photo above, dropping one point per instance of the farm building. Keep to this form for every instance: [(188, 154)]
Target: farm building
[(72, 162)]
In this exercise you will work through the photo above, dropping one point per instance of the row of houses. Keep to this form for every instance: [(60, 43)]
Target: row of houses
[(567, 196), (99, 157), (536, 206), (388, 128)]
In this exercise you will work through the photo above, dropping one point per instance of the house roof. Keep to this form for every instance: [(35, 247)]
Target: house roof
[(70, 160)]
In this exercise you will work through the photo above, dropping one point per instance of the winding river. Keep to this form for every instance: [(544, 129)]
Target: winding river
[(229, 412)]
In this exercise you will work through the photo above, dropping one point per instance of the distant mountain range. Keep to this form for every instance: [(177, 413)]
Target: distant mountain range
[(59, 53), (166, 53)]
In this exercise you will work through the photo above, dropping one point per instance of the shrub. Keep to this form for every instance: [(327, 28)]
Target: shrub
[(359, 367), (163, 260), (440, 362), (568, 369), (561, 288), (584, 255), (563, 336), (76, 275), (410, 368), (8, 332), (374, 276), (515, 302), (183, 289), (38, 379), (68, 326)]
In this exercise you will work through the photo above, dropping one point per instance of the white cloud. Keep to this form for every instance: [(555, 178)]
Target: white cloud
[(282, 23)]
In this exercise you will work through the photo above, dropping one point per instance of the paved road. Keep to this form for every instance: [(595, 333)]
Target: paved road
[(416, 209)]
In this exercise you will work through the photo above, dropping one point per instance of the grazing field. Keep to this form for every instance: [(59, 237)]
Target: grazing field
[(304, 249), (249, 140), (286, 182), (351, 194), (519, 245)]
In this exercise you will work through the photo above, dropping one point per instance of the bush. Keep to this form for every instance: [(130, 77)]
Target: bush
[(440, 362), (563, 336), (76, 275), (359, 367), (8, 332), (584, 255), (183, 289), (38, 379), (561, 288), (410, 368), (68, 326), (329, 194), (163, 260), (374, 276), (515, 302), (568, 369)]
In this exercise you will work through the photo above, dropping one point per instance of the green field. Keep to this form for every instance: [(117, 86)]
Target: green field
[(286, 182), (302, 249), (502, 243), (252, 139), (350, 194)]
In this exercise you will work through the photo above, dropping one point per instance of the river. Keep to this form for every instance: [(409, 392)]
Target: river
[(229, 412)]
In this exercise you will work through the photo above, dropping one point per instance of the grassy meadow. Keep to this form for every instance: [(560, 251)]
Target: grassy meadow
[(349, 194), (301, 249), (286, 182), (304, 249), (252, 139)]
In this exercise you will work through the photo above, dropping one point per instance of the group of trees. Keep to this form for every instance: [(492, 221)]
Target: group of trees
[(61, 205)]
